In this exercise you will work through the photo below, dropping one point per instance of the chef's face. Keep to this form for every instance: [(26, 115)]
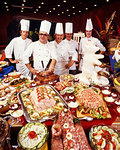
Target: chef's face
[(43, 37), (59, 37), (88, 33), (68, 36), (24, 34)]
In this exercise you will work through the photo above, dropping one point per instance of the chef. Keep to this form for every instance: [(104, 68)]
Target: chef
[(18, 47), (87, 39), (62, 66), (73, 47), (41, 50), (115, 59), (116, 55)]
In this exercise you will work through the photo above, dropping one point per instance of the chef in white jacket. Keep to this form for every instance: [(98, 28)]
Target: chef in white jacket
[(73, 45), (62, 64), (87, 39), (41, 50), (116, 55), (18, 46)]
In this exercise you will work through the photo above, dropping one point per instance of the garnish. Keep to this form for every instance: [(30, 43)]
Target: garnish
[(76, 120), (32, 134)]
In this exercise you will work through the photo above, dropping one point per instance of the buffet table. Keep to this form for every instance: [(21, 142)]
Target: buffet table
[(21, 121)]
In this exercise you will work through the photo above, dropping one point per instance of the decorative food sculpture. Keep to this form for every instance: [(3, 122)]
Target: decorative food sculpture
[(90, 60)]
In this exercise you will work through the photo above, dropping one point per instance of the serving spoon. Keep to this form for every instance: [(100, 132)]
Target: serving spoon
[(86, 118)]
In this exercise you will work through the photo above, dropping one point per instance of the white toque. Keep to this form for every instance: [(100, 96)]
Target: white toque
[(45, 26), (68, 27), (25, 25), (59, 28), (89, 25)]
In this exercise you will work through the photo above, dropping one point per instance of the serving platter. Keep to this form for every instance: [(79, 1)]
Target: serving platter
[(104, 137), (41, 103), (35, 138), (3, 63), (91, 104), (14, 74)]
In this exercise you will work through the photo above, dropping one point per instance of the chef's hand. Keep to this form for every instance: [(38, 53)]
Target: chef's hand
[(15, 61), (34, 71), (51, 68), (67, 66)]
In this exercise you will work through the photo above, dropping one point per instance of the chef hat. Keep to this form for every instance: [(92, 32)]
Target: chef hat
[(59, 28), (45, 26), (89, 25), (68, 27), (25, 25)]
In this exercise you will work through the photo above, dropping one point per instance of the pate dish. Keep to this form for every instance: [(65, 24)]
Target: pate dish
[(41, 103)]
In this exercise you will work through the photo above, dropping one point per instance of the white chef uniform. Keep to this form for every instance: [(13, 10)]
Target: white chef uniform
[(62, 53), (62, 57), (116, 56), (18, 46), (42, 53), (73, 46), (86, 40)]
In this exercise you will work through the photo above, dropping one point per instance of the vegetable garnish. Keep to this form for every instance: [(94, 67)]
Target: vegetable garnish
[(32, 134)]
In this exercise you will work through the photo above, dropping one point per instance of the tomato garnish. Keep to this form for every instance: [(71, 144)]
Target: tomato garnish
[(66, 130), (104, 114), (107, 147), (39, 98), (17, 90), (100, 142), (107, 135), (95, 134), (32, 134), (114, 146), (70, 143)]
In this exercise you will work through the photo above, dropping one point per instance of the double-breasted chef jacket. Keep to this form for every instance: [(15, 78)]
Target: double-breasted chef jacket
[(73, 46), (42, 53), (18, 46), (62, 52), (85, 41)]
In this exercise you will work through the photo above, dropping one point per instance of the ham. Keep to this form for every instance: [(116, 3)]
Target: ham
[(73, 135), (81, 137), (56, 141)]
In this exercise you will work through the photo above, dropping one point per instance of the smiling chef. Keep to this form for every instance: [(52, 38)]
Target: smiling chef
[(41, 50), (18, 46), (73, 46), (86, 40), (62, 49)]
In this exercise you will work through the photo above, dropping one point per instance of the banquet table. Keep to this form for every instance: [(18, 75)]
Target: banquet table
[(21, 121), (114, 121)]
